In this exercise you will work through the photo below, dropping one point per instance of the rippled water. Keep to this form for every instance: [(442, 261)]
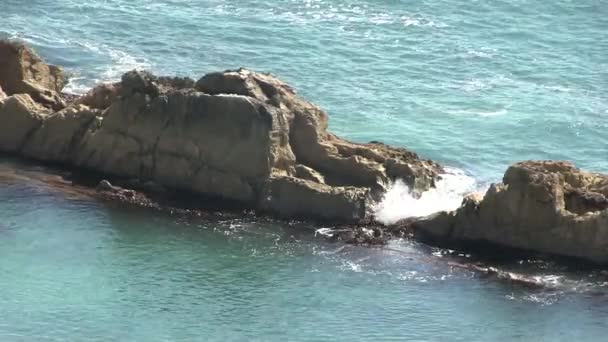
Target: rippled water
[(475, 85), (74, 268)]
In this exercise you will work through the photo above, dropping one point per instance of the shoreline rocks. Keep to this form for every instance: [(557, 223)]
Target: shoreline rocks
[(545, 206), (247, 138), (236, 135)]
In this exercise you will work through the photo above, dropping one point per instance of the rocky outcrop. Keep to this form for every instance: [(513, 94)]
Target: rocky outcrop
[(236, 135), (544, 206), (22, 71)]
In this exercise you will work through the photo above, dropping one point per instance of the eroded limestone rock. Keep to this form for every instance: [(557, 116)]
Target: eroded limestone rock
[(237, 135), (22, 71), (544, 206)]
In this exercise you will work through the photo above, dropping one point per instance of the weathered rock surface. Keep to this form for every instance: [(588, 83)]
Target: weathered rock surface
[(237, 135), (544, 206), (23, 72)]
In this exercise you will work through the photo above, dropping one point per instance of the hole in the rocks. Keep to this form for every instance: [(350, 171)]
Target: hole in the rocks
[(581, 202)]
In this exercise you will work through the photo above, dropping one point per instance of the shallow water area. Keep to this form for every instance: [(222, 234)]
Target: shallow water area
[(78, 268)]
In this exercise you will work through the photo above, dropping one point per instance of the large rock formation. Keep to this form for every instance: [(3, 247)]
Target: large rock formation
[(542, 206), (22, 71), (236, 135)]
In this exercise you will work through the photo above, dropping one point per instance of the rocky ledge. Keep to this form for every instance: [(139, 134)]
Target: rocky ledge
[(238, 136), (544, 206)]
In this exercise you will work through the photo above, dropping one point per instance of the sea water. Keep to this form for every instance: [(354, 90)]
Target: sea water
[(474, 85)]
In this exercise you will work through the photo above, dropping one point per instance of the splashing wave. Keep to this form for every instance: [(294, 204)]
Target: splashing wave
[(399, 202)]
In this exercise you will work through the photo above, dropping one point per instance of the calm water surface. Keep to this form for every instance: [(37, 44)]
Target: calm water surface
[(475, 85)]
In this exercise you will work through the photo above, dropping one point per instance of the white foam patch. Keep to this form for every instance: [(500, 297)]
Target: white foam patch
[(399, 203), (121, 62), (78, 85), (481, 113)]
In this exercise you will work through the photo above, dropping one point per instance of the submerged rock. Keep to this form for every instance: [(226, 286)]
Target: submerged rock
[(236, 135), (545, 206)]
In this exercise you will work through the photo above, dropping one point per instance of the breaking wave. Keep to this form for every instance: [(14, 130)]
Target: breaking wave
[(399, 202)]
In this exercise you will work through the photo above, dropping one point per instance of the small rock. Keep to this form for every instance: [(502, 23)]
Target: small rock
[(128, 193), (136, 81), (104, 185)]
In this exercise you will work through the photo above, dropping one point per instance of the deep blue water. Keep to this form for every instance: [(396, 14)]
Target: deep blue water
[(476, 85)]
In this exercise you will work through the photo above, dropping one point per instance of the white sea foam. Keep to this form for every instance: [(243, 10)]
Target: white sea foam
[(324, 231), (399, 202), (79, 85), (558, 88), (482, 53), (120, 62), (498, 112)]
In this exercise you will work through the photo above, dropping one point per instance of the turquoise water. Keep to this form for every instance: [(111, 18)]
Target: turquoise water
[(76, 269), (476, 85)]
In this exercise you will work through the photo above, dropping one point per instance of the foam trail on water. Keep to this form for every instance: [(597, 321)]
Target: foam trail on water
[(119, 63), (399, 203)]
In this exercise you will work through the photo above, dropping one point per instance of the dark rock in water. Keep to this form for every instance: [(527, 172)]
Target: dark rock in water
[(545, 206), (128, 193), (370, 236), (237, 135), (105, 185)]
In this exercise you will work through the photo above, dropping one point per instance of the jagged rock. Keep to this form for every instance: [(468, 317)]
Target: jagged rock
[(136, 81), (59, 134), (100, 97), (360, 236), (544, 206), (20, 116), (307, 173), (23, 72), (105, 185), (237, 135)]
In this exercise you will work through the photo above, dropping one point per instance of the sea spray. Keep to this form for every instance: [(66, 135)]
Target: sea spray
[(400, 203)]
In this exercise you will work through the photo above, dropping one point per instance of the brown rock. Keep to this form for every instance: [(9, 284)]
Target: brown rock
[(292, 197), (544, 206), (237, 135), (23, 72), (100, 97), (58, 137), (308, 173), (20, 117)]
